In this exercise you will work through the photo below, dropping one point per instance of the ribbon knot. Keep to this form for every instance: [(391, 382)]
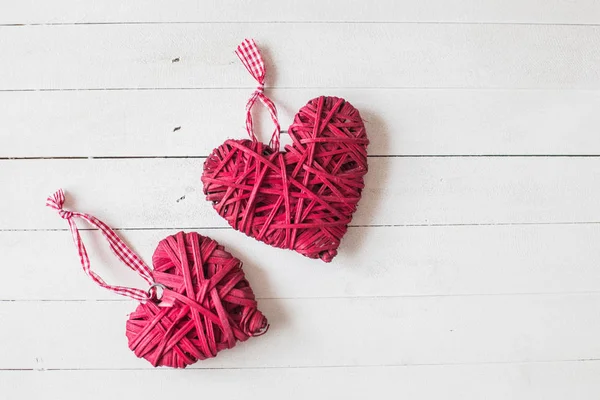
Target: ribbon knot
[(250, 56), (56, 202), (65, 214)]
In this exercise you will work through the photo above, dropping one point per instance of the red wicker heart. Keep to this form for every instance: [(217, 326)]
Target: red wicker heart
[(300, 199), (207, 304)]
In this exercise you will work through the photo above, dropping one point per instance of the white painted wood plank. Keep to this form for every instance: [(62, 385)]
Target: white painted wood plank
[(530, 381), (144, 193), (325, 332), (507, 11), (390, 261), (399, 122), (354, 55), (478, 311)]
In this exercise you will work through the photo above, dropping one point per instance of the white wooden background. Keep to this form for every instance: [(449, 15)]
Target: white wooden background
[(471, 271)]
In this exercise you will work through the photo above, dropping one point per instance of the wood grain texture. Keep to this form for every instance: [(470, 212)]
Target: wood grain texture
[(113, 11), (167, 193), (399, 122), (326, 332), (523, 381), (471, 271), (354, 55), (380, 261)]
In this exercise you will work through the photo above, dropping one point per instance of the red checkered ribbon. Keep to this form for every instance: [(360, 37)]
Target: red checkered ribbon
[(250, 56), (124, 253)]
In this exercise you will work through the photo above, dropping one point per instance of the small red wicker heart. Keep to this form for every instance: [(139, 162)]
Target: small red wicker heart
[(207, 304), (300, 199)]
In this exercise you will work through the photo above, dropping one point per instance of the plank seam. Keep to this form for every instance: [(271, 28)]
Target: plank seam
[(28, 158), (405, 365), (365, 297), (273, 22), (349, 226), (464, 88)]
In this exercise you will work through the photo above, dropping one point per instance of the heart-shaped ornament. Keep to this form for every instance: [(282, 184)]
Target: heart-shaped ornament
[(206, 305), (302, 198)]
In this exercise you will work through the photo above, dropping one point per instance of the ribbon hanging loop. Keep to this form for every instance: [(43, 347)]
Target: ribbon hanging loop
[(119, 248), (250, 56)]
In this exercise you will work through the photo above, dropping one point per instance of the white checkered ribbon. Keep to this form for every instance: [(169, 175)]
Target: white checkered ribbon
[(250, 56), (119, 248)]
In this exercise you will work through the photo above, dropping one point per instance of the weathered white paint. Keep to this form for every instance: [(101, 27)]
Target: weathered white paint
[(144, 193), (326, 332), (463, 277), (354, 55), (470, 11), (373, 261), (531, 381), (398, 121)]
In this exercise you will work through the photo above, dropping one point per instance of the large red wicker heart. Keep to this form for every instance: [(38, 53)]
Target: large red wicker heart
[(207, 304), (300, 199)]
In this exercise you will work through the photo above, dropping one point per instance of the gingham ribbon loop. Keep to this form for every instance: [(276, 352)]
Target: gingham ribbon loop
[(56, 201), (119, 248), (249, 55)]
